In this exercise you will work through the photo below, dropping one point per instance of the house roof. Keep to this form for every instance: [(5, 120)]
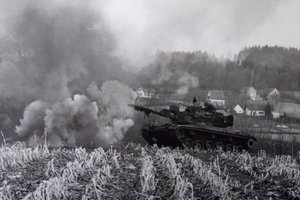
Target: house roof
[(238, 106), (216, 94), (265, 92), (256, 105), (147, 90)]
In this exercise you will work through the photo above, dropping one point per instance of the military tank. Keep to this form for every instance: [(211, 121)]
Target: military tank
[(195, 127)]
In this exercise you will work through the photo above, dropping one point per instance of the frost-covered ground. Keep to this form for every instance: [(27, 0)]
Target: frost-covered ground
[(135, 172)]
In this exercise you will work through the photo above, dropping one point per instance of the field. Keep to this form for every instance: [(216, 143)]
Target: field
[(136, 172)]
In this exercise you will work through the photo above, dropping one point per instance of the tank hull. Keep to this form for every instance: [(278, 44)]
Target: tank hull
[(201, 137), (164, 135)]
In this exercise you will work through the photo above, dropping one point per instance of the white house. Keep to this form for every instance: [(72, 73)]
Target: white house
[(216, 97), (141, 93), (273, 91), (238, 109), (269, 93), (255, 108), (275, 114), (146, 93)]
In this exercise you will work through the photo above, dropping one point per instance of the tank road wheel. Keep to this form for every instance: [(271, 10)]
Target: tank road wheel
[(198, 145), (250, 143), (188, 143), (238, 148), (229, 147), (154, 140), (209, 145), (180, 134), (219, 146)]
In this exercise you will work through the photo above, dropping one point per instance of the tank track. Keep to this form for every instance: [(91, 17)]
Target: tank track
[(197, 137), (209, 138)]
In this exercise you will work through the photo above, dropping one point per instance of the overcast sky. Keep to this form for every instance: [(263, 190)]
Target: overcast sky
[(222, 27)]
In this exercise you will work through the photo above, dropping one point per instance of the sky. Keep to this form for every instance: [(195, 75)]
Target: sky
[(220, 27), (141, 27)]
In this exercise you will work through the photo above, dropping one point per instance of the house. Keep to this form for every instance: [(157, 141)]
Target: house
[(269, 94), (147, 93), (275, 114), (238, 109), (141, 93), (216, 97), (286, 109), (255, 108), (249, 93)]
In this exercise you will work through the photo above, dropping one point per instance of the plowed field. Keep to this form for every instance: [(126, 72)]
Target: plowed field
[(136, 172)]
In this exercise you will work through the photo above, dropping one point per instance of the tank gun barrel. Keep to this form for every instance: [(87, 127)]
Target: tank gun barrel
[(174, 116), (185, 105), (147, 111)]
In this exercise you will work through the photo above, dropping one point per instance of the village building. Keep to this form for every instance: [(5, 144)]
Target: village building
[(249, 93), (276, 114), (270, 94), (216, 97), (147, 93), (255, 108), (238, 109)]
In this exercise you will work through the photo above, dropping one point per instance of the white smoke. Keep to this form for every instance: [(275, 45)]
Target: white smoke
[(99, 118), (33, 119), (115, 131), (71, 120), (165, 74), (115, 116), (113, 99), (187, 81), (49, 51), (216, 26)]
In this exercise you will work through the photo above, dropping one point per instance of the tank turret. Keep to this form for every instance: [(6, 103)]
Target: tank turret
[(192, 115)]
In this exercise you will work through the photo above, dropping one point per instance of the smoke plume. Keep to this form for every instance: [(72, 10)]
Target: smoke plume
[(185, 82), (216, 26), (33, 119), (99, 118), (50, 53)]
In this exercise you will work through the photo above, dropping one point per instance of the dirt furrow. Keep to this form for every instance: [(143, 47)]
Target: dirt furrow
[(26, 178), (255, 182)]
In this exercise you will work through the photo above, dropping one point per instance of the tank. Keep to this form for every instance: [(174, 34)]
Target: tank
[(195, 127)]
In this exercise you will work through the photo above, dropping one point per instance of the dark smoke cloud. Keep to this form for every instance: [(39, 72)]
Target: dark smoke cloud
[(57, 47), (50, 53)]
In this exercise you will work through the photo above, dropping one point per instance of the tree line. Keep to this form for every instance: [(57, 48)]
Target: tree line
[(259, 66)]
